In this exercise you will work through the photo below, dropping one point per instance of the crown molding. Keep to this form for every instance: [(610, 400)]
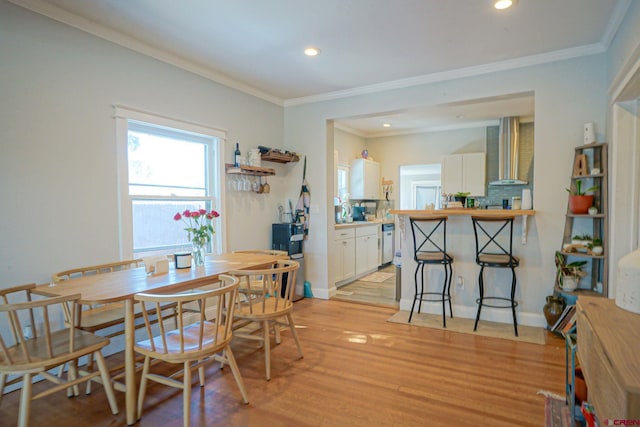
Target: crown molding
[(91, 27), (510, 64), (614, 23)]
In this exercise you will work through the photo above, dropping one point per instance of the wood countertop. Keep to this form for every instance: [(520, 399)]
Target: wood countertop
[(489, 213), (363, 223)]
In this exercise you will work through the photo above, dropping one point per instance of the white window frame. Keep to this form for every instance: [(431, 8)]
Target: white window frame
[(427, 184), (216, 173)]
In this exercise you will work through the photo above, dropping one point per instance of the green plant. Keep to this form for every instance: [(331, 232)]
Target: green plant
[(198, 224), (461, 194), (579, 191), (583, 237), (573, 269), (595, 242)]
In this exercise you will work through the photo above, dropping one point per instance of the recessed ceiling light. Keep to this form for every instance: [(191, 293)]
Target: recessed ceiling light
[(386, 125), (503, 4), (311, 51)]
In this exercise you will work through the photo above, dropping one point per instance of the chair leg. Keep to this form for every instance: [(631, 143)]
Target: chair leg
[(415, 294), (3, 381), (25, 401), (513, 295), (106, 382), (73, 374), (186, 395), (236, 373), (143, 385), (89, 369), (421, 288), (267, 349), (295, 334), (444, 290), (481, 289), (276, 332), (449, 289), (201, 375)]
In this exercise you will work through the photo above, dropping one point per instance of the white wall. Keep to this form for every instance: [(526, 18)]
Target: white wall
[(58, 200), (568, 94), (348, 145), (623, 132), (423, 148)]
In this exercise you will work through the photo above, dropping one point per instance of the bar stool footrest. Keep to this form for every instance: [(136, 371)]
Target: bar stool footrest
[(424, 297), (512, 304)]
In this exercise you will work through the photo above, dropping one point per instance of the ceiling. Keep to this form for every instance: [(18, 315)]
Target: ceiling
[(256, 46)]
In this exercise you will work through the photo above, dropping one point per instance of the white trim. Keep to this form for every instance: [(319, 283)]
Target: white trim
[(510, 64), (43, 8), (147, 117), (614, 23), (216, 170)]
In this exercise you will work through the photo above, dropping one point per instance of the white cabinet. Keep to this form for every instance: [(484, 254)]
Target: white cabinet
[(344, 255), (464, 173), (365, 179), (366, 249)]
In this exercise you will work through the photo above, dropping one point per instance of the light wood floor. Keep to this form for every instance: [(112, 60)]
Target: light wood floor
[(360, 291), (358, 370)]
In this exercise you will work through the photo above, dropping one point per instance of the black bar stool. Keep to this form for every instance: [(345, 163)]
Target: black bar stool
[(431, 248), (491, 252)]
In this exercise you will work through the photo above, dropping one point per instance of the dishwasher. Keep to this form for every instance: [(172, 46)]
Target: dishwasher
[(388, 231)]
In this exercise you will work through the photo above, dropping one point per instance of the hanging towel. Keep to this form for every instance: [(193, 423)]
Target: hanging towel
[(304, 202)]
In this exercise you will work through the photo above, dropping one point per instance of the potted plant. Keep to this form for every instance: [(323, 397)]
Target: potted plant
[(581, 240), (579, 201), (596, 247), (461, 197), (568, 275)]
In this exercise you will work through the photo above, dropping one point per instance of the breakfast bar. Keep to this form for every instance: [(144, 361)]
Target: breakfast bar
[(484, 213), (464, 283)]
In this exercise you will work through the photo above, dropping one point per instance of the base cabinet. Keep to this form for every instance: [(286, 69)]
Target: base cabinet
[(366, 249), (344, 255)]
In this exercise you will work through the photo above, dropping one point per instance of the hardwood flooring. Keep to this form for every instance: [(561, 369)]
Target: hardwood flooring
[(358, 370), (360, 291)]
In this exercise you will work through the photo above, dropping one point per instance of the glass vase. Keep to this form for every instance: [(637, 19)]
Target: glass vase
[(199, 251)]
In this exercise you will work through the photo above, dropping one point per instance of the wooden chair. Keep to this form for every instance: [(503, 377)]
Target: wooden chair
[(274, 252), (49, 343), (197, 340), (96, 318), (268, 308)]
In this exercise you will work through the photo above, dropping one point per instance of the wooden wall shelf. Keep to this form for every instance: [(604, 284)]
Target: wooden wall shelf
[(277, 157), (249, 170)]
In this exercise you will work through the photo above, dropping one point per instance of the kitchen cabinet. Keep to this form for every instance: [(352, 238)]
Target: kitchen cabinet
[(464, 173), (364, 180), (344, 255), (366, 249)]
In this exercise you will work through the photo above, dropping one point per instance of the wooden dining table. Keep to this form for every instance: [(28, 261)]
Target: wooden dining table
[(121, 286)]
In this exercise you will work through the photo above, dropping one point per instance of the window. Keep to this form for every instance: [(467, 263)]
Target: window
[(420, 186), (343, 181), (168, 167)]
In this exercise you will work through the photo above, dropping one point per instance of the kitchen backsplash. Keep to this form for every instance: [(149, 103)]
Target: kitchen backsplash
[(497, 193)]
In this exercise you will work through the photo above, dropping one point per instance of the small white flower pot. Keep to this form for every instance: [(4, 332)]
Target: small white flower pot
[(569, 283), (597, 250), (593, 210)]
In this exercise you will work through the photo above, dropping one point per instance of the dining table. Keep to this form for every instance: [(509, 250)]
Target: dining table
[(121, 287)]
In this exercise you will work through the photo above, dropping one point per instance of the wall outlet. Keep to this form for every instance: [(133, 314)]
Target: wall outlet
[(459, 283)]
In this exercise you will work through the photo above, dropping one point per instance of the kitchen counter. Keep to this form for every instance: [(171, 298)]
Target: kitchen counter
[(466, 211), (363, 223), (486, 213)]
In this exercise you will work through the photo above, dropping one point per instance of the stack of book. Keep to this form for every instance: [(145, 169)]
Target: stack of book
[(566, 322)]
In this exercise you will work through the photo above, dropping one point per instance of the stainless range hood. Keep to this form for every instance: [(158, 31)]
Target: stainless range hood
[(509, 146)]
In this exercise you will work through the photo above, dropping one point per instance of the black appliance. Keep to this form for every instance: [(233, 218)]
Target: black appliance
[(289, 237)]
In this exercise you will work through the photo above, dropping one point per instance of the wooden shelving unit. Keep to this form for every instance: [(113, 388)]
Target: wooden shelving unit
[(277, 157), (596, 155), (249, 170)]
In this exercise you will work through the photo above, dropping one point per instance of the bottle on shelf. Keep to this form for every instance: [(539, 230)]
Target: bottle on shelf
[(236, 156)]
